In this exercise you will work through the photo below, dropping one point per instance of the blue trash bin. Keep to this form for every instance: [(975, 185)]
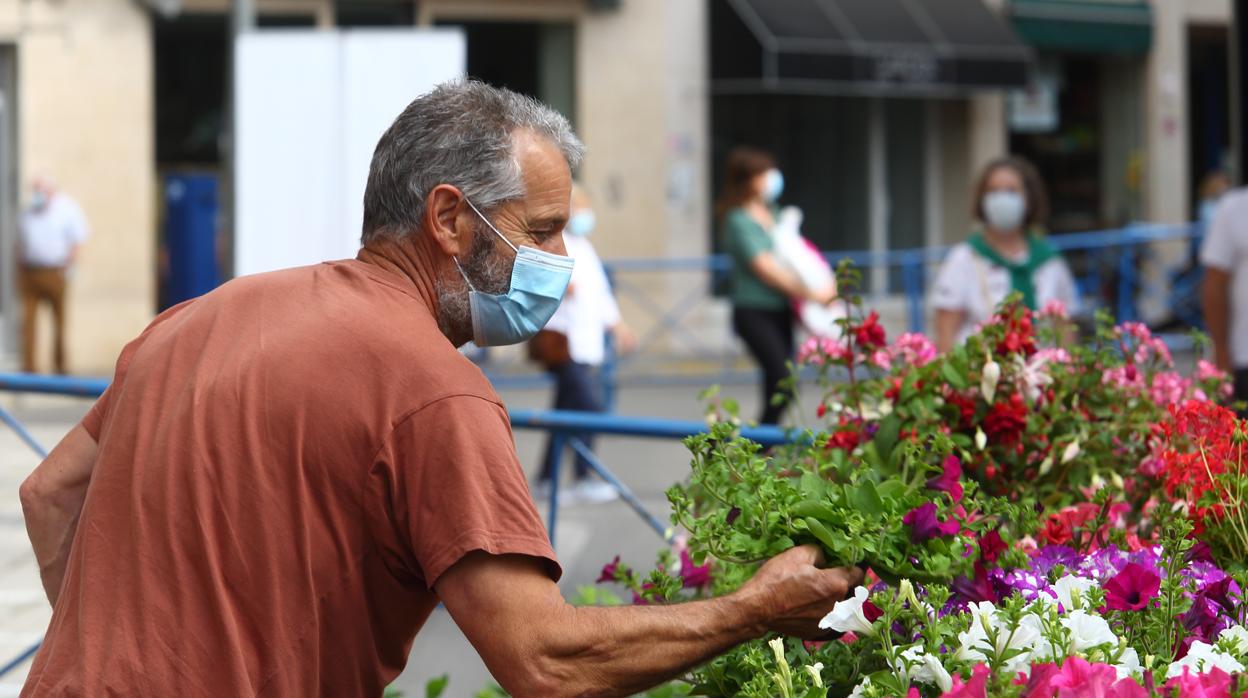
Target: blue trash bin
[(190, 236)]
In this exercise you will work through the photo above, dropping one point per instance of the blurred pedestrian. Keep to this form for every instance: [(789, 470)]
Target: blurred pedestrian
[(762, 288), (50, 232), (1008, 253), (573, 346), (1224, 292)]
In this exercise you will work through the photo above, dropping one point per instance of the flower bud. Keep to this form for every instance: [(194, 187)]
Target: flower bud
[(816, 674), (1046, 465), (1071, 452), (981, 439), (989, 379)]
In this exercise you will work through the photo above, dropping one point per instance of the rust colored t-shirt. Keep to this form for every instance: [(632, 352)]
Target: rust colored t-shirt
[(285, 468)]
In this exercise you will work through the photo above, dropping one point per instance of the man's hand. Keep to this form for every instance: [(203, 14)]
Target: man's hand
[(796, 593)]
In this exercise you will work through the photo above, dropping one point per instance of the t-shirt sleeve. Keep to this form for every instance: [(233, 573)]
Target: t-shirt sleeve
[(94, 420), (449, 480), (956, 272), (746, 238), (1218, 250)]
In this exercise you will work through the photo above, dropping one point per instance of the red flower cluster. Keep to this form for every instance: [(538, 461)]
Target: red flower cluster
[(848, 435), (1020, 335), (1200, 445), (1006, 420), (870, 334)]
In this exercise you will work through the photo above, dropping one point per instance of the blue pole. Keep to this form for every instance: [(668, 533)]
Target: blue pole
[(1126, 285), (557, 439), (14, 424), (21, 658), (55, 385), (591, 422), (912, 277), (627, 494)]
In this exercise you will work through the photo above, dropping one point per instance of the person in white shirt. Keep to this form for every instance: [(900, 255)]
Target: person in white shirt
[(1224, 293), (50, 232), (1008, 254), (588, 313)]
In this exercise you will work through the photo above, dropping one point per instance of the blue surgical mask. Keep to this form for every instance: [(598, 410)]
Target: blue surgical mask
[(38, 200), (773, 186), (581, 224), (538, 281)]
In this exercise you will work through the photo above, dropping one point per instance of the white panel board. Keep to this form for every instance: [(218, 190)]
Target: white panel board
[(309, 108), (286, 117), (384, 70)]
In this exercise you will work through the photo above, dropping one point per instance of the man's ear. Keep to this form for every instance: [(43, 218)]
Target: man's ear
[(442, 220)]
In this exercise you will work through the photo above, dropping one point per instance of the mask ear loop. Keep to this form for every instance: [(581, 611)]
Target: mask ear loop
[(487, 222), (461, 273)]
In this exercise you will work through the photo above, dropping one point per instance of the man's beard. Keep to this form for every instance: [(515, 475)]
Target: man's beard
[(490, 273)]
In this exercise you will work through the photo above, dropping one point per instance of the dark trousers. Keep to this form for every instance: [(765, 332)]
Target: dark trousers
[(42, 285), (575, 390), (768, 334)]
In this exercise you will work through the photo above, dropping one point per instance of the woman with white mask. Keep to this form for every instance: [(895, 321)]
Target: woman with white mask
[(1007, 253)]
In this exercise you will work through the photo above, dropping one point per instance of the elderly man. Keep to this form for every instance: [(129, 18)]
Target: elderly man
[(288, 474), (49, 234)]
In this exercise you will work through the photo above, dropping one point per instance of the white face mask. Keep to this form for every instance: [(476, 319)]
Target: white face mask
[(1004, 211)]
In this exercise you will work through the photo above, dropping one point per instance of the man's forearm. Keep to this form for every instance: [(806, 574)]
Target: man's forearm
[(52, 499), (624, 650), (51, 526)]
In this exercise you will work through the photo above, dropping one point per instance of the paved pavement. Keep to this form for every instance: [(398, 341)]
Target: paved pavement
[(587, 536)]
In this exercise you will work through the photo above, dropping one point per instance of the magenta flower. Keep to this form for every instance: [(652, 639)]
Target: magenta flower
[(694, 576), (977, 687), (609, 571), (924, 525), (1131, 589), (991, 545), (1213, 684), (1079, 679), (950, 478)]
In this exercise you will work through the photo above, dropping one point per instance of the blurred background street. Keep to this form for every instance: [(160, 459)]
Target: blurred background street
[(208, 139)]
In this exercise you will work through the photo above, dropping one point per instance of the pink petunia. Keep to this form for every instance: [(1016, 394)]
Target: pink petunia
[(1132, 589), (977, 687)]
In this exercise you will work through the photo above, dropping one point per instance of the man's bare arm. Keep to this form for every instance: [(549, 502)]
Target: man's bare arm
[(536, 644), (52, 498), (1215, 299)]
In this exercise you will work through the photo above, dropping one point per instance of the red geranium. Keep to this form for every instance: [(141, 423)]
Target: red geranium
[(1020, 336), (1006, 420), (1200, 446), (870, 334)]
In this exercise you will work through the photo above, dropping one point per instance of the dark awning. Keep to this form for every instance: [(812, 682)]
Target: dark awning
[(862, 47), (1084, 26)]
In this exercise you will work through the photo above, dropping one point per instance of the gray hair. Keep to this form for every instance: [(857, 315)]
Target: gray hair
[(459, 134)]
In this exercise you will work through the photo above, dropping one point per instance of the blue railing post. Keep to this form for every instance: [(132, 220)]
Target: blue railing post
[(557, 440), (1126, 284), (912, 279)]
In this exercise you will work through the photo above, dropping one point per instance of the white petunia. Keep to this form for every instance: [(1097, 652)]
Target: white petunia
[(985, 621), (1087, 631), (861, 688), (925, 668), (1129, 664), (1237, 635), (1071, 590), (847, 615), (1202, 658)]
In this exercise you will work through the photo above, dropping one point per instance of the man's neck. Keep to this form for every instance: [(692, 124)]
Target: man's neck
[(414, 258)]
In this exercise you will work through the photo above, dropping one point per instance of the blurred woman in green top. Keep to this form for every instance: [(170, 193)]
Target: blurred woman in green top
[(762, 289)]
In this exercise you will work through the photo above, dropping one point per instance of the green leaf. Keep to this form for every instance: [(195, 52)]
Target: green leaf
[(952, 376), (865, 498), (886, 437), (437, 686)]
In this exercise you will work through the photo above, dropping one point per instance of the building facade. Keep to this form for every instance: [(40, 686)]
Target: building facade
[(108, 96)]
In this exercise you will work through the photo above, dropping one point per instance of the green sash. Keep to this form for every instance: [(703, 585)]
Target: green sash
[(1039, 251)]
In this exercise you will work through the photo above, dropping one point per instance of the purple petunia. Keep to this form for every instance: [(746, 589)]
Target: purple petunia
[(924, 525)]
